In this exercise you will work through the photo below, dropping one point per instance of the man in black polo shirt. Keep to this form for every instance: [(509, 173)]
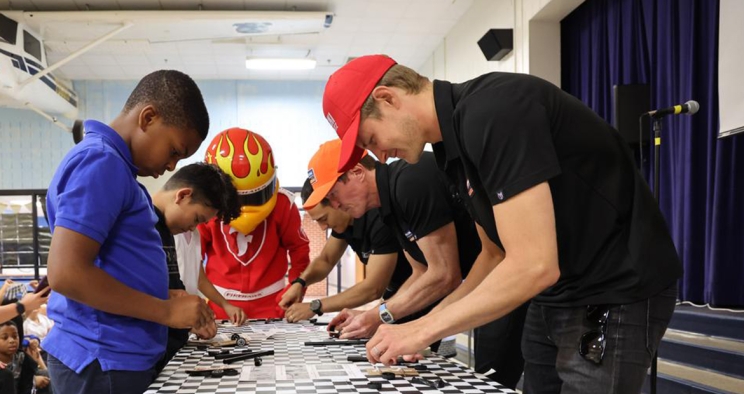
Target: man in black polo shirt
[(554, 186), (386, 265), (422, 209)]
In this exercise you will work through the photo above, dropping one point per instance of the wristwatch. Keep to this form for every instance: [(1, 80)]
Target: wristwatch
[(316, 306), (20, 308), (300, 281), (385, 314)]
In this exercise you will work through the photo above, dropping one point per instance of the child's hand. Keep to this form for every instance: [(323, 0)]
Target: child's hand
[(33, 344), (8, 282), (206, 332), (236, 315), (188, 311), (41, 381)]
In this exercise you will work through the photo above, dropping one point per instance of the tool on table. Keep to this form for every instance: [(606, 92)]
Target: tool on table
[(229, 354), (399, 360), (213, 372), (247, 356), (338, 343), (436, 384)]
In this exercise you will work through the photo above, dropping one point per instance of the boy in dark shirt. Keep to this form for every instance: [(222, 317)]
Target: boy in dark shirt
[(194, 194)]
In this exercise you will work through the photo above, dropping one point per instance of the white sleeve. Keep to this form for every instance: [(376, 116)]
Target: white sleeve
[(188, 252)]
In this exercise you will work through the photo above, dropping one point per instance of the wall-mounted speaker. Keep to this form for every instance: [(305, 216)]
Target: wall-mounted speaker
[(496, 43)]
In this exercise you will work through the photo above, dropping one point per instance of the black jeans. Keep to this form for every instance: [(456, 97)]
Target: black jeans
[(550, 344), (93, 380)]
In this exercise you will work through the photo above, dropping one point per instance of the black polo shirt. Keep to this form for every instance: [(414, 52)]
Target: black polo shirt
[(368, 235), (416, 200), (504, 133), (177, 338), (169, 247)]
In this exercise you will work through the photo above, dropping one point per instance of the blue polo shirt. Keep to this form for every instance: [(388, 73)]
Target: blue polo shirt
[(95, 192)]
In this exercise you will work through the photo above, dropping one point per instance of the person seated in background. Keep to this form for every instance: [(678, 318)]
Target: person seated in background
[(37, 323), (386, 266), (193, 195), (13, 310), (26, 365)]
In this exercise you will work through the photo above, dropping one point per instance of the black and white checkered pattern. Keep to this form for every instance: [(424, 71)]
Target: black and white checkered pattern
[(289, 349)]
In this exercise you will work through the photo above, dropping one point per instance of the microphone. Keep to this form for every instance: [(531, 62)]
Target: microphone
[(689, 108)]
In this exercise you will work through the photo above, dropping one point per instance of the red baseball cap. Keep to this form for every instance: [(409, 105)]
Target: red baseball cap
[(344, 95), (322, 170)]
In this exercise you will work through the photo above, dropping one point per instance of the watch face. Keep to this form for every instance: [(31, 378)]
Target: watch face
[(315, 305), (386, 317)]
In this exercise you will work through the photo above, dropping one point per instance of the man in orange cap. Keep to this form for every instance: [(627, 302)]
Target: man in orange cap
[(386, 266), (247, 259), (556, 188)]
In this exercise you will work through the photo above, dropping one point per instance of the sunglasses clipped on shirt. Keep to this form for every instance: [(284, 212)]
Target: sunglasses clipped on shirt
[(593, 342)]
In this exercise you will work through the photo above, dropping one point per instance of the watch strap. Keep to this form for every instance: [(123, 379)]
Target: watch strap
[(20, 308), (300, 281)]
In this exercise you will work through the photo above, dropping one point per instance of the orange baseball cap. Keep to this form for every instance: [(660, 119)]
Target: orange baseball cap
[(322, 170), (345, 93)]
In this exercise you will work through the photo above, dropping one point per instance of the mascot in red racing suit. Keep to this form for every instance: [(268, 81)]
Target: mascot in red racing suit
[(248, 259)]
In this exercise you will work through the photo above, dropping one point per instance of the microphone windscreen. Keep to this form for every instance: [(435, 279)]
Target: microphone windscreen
[(693, 106)]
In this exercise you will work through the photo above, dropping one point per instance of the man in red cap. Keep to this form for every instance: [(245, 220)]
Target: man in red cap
[(581, 231)]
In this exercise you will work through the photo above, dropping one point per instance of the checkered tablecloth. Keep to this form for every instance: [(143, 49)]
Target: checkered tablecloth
[(288, 345)]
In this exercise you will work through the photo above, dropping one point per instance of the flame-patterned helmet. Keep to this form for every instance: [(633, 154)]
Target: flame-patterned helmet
[(249, 160)]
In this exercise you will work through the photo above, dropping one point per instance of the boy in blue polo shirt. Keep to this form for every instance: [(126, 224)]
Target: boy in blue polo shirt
[(106, 262)]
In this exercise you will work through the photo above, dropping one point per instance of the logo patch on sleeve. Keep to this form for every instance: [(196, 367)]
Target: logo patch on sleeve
[(411, 236)]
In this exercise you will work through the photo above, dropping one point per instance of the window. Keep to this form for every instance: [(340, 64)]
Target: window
[(8, 29), (31, 45)]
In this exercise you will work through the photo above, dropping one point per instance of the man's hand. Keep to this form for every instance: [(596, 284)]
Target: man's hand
[(392, 341), (32, 301), (292, 296), (343, 319), (236, 314), (188, 311), (363, 325), (9, 282), (298, 312)]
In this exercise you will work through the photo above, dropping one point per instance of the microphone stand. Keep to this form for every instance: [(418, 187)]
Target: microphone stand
[(657, 148), (657, 151)]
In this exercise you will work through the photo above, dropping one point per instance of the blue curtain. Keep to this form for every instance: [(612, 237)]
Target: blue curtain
[(672, 45)]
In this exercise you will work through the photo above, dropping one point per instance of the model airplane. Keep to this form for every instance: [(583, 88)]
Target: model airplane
[(25, 79)]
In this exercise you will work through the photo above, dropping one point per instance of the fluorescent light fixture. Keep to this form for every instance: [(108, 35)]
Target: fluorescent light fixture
[(280, 64)]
